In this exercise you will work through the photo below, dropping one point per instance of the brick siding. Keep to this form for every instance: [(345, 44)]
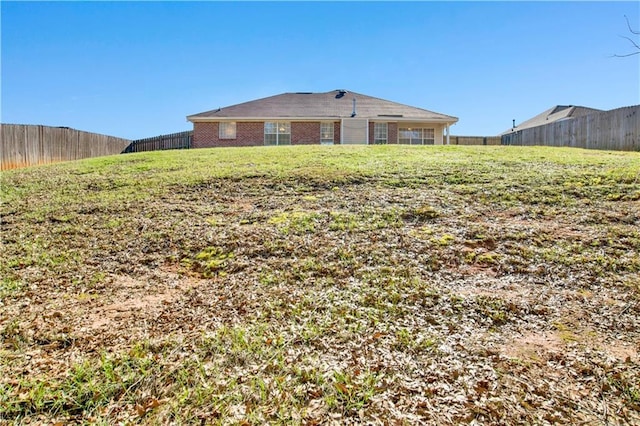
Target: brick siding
[(305, 133), (371, 135), (205, 135), (336, 133), (248, 134), (392, 133)]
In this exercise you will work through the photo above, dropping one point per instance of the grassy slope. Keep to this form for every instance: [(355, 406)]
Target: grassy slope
[(300, 285)]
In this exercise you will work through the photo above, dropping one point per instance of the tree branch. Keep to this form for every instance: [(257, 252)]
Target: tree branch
[(624, 56), (629, 26), (633, 42)]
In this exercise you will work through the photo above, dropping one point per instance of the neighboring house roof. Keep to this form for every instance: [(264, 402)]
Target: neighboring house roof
[(556, 113), (333, 104)]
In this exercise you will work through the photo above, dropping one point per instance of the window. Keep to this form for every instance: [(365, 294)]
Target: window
[(379, 133), (277, 133), (428, 136), (326, 133), (416, 136), (227, 130)]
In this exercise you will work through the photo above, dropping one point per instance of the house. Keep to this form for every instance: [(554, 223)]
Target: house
[(335, 117), (552, 115)]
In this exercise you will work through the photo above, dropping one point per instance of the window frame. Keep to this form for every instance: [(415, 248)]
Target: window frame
[(432, 139), (223, 134), (425, 138), (330, 125), (377, 133), (279, 134)]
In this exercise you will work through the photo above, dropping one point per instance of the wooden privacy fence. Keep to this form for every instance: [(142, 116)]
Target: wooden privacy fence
[(617, 129), (181, 140), (473, 140), (28, 145)]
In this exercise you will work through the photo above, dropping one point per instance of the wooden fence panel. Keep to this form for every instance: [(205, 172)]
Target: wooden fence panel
[(618, 129), (473, 140), (29, 145), (180, 140)]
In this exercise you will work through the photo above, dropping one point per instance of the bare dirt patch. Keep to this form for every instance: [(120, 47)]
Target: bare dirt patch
[(136, 300), (534, 346)]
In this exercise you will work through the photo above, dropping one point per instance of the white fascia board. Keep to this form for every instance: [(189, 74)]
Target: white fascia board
[(216, 119), (371, 119), (412, 120)]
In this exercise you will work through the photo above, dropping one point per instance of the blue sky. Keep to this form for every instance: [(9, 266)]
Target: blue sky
[(137, 69)]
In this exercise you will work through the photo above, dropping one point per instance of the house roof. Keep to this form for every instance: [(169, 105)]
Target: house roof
[(333, 104), (556, 113)]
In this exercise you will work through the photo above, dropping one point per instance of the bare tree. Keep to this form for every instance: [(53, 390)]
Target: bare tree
[(633, 42)]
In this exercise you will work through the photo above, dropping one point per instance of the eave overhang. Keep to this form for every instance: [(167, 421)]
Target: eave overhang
[(444, 120)]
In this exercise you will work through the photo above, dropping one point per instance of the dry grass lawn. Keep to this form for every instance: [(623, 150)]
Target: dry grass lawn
[(323, 285)]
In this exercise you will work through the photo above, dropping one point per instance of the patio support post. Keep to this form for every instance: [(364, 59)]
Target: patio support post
[(447, 134)]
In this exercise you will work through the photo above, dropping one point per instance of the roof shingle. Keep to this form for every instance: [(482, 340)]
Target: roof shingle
[(322, 105)]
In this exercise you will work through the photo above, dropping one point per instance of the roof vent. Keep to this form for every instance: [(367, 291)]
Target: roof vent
[(341, 93), (304, 93)]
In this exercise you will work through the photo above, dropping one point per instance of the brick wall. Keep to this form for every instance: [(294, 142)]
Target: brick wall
[(371, 134), (248, 134), (305, 133), (392, 133), (205, 135)]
